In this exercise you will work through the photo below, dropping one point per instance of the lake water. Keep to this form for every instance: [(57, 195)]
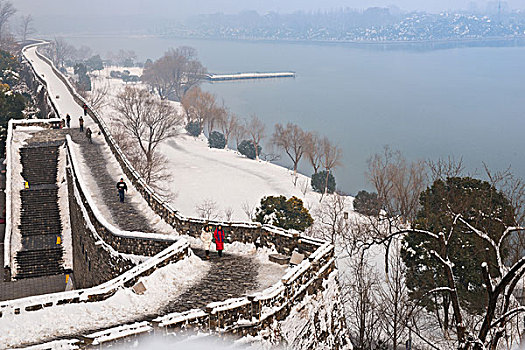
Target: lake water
[(466, 102)]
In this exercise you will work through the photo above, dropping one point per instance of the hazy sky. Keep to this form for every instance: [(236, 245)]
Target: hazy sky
[(178, 8)]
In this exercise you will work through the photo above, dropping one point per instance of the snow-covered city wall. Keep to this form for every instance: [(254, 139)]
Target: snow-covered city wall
[(246, 315), (247, 232), (114, 268)]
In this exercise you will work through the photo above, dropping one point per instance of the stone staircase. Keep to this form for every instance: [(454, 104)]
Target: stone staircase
[(40, 224)]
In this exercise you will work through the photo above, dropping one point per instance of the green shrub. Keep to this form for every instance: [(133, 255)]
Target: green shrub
[(367, 203), (286, 213), (216, 140), (247, 149), (319, 182), (193, 128)]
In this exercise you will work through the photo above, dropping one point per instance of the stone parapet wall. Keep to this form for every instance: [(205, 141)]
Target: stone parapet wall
[(241, 316), (38, 87)]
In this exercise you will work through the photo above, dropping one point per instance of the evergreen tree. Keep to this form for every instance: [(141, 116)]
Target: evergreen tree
[(12, 103), (288, 214), (478, 203), (247, 149), (216, 140), (193, 128), (367, 203), (319, 182), (95, 63)]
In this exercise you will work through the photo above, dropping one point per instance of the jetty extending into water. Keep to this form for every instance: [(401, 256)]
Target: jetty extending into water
[(252, 75)]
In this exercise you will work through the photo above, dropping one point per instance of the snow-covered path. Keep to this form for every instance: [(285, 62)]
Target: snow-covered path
[(97, 163), (56, 88)]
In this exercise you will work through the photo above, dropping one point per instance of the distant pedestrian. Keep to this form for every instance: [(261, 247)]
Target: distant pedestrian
[(68, 120), (85, 107), (121, 187), (219, 239), (206, 237), (81, 123), (88, 134)]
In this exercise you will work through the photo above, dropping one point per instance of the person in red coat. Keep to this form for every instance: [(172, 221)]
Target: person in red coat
[(219, 239)]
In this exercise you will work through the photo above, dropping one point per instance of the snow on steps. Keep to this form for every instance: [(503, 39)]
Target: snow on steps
[(104, 290)]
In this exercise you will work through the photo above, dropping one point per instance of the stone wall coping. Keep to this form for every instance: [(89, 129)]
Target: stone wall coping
[(119, 332), (179, 317), (227, 305), (268, 293)]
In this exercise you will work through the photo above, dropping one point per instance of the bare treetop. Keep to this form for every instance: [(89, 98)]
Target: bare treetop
[(148, 120), (172, 75), (292, 139), (7, 10), (256, 129), (26, 27)]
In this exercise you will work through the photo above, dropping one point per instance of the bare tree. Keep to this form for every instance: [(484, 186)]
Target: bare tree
[(291, 139), (500, 308), (148, 120), (313, 150), (201, 107), (330, 221), (255, 129), (125, 56), (445, 168), (239, 132), (228, 214), (26, 27), (172, 75), (396, 308), (330, 158), (359, 291), (228, 122), (7, 10), (398, 183), (207, 209), (83, 53), (248, 209), (59, 51), (97, 97)]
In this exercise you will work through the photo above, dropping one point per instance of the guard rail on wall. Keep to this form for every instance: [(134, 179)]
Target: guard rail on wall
[(284, 241), (38, 77), (176, 251)]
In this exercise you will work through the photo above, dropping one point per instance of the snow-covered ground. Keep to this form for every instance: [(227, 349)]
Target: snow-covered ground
[(222, 177), (124, 306)]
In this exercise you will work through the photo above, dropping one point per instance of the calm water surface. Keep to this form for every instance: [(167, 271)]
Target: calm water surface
[(466, 102)]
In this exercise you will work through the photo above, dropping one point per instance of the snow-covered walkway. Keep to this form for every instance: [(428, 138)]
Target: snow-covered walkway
[(99, 167)]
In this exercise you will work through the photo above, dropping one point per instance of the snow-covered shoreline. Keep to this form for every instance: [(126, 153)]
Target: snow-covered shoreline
[(221, 178)]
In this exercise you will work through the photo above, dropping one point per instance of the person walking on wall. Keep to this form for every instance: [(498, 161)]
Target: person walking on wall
[(121, 187), (88, 134), (85, 107), (81, 123), (68, 120), (219, 239), (206, 237)]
